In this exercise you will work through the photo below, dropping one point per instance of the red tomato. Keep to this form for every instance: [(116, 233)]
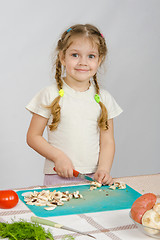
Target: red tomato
[(8, 199)]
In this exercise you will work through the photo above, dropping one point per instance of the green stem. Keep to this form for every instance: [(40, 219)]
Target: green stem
[(9, 233)]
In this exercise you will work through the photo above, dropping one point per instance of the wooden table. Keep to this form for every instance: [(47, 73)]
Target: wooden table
[(115, 225)]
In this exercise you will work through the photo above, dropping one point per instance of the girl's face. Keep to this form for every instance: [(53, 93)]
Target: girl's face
[(81, 61)]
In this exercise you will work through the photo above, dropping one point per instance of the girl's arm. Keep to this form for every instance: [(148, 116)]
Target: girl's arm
[(35, 140), (106, 155)]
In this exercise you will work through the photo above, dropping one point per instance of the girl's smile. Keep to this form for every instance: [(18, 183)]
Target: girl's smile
[(81, 70), (81, 61)]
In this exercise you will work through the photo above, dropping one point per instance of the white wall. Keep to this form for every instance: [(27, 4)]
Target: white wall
[(29, 30)]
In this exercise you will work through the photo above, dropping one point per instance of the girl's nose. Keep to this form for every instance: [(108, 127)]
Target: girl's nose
[(83, 61)]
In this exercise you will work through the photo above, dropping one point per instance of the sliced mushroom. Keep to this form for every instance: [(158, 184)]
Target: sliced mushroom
[(57, 195), (92, 188), (50, 199), (113, 187), (26, 194), (119, 185), (50, 208), (96, 184)]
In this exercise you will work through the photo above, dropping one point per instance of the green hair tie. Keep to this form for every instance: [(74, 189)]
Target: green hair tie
[(61, 92), (97, 98)]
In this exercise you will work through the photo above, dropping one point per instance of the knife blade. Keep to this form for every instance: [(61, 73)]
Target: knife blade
[(83, 176), (57, 225), (80, 175)]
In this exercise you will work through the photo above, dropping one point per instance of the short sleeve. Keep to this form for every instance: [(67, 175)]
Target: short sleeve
[(40, 101), (111, 105)]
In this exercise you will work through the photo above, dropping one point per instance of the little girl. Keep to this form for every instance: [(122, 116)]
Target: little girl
[(78, 115)]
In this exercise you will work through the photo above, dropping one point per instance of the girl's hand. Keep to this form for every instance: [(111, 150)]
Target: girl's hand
[(103, 177), (64, 166)]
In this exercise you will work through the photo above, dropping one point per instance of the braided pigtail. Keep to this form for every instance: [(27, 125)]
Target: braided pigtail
[(54, 106), (103, 118)]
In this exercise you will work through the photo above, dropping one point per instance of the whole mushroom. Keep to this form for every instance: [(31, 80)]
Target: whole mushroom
[(156, 208), (151, 219)]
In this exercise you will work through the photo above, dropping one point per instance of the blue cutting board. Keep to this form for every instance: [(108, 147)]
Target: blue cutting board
[(101, 199)]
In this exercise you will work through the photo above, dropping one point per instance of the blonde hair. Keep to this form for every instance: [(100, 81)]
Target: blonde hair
[(92, 33)]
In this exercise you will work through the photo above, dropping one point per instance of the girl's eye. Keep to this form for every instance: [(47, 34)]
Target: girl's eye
[(91, 56), (75, 54)]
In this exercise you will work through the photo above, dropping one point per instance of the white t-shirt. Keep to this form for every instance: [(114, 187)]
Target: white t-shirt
[(77, 134)]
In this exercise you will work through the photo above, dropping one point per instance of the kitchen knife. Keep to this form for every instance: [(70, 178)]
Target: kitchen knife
[(57, 225), (78, 174)]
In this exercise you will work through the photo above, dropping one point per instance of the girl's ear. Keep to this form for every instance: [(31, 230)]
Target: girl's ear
[(62, 58)]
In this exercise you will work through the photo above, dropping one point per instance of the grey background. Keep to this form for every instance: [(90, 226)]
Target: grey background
[(29, 31)]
